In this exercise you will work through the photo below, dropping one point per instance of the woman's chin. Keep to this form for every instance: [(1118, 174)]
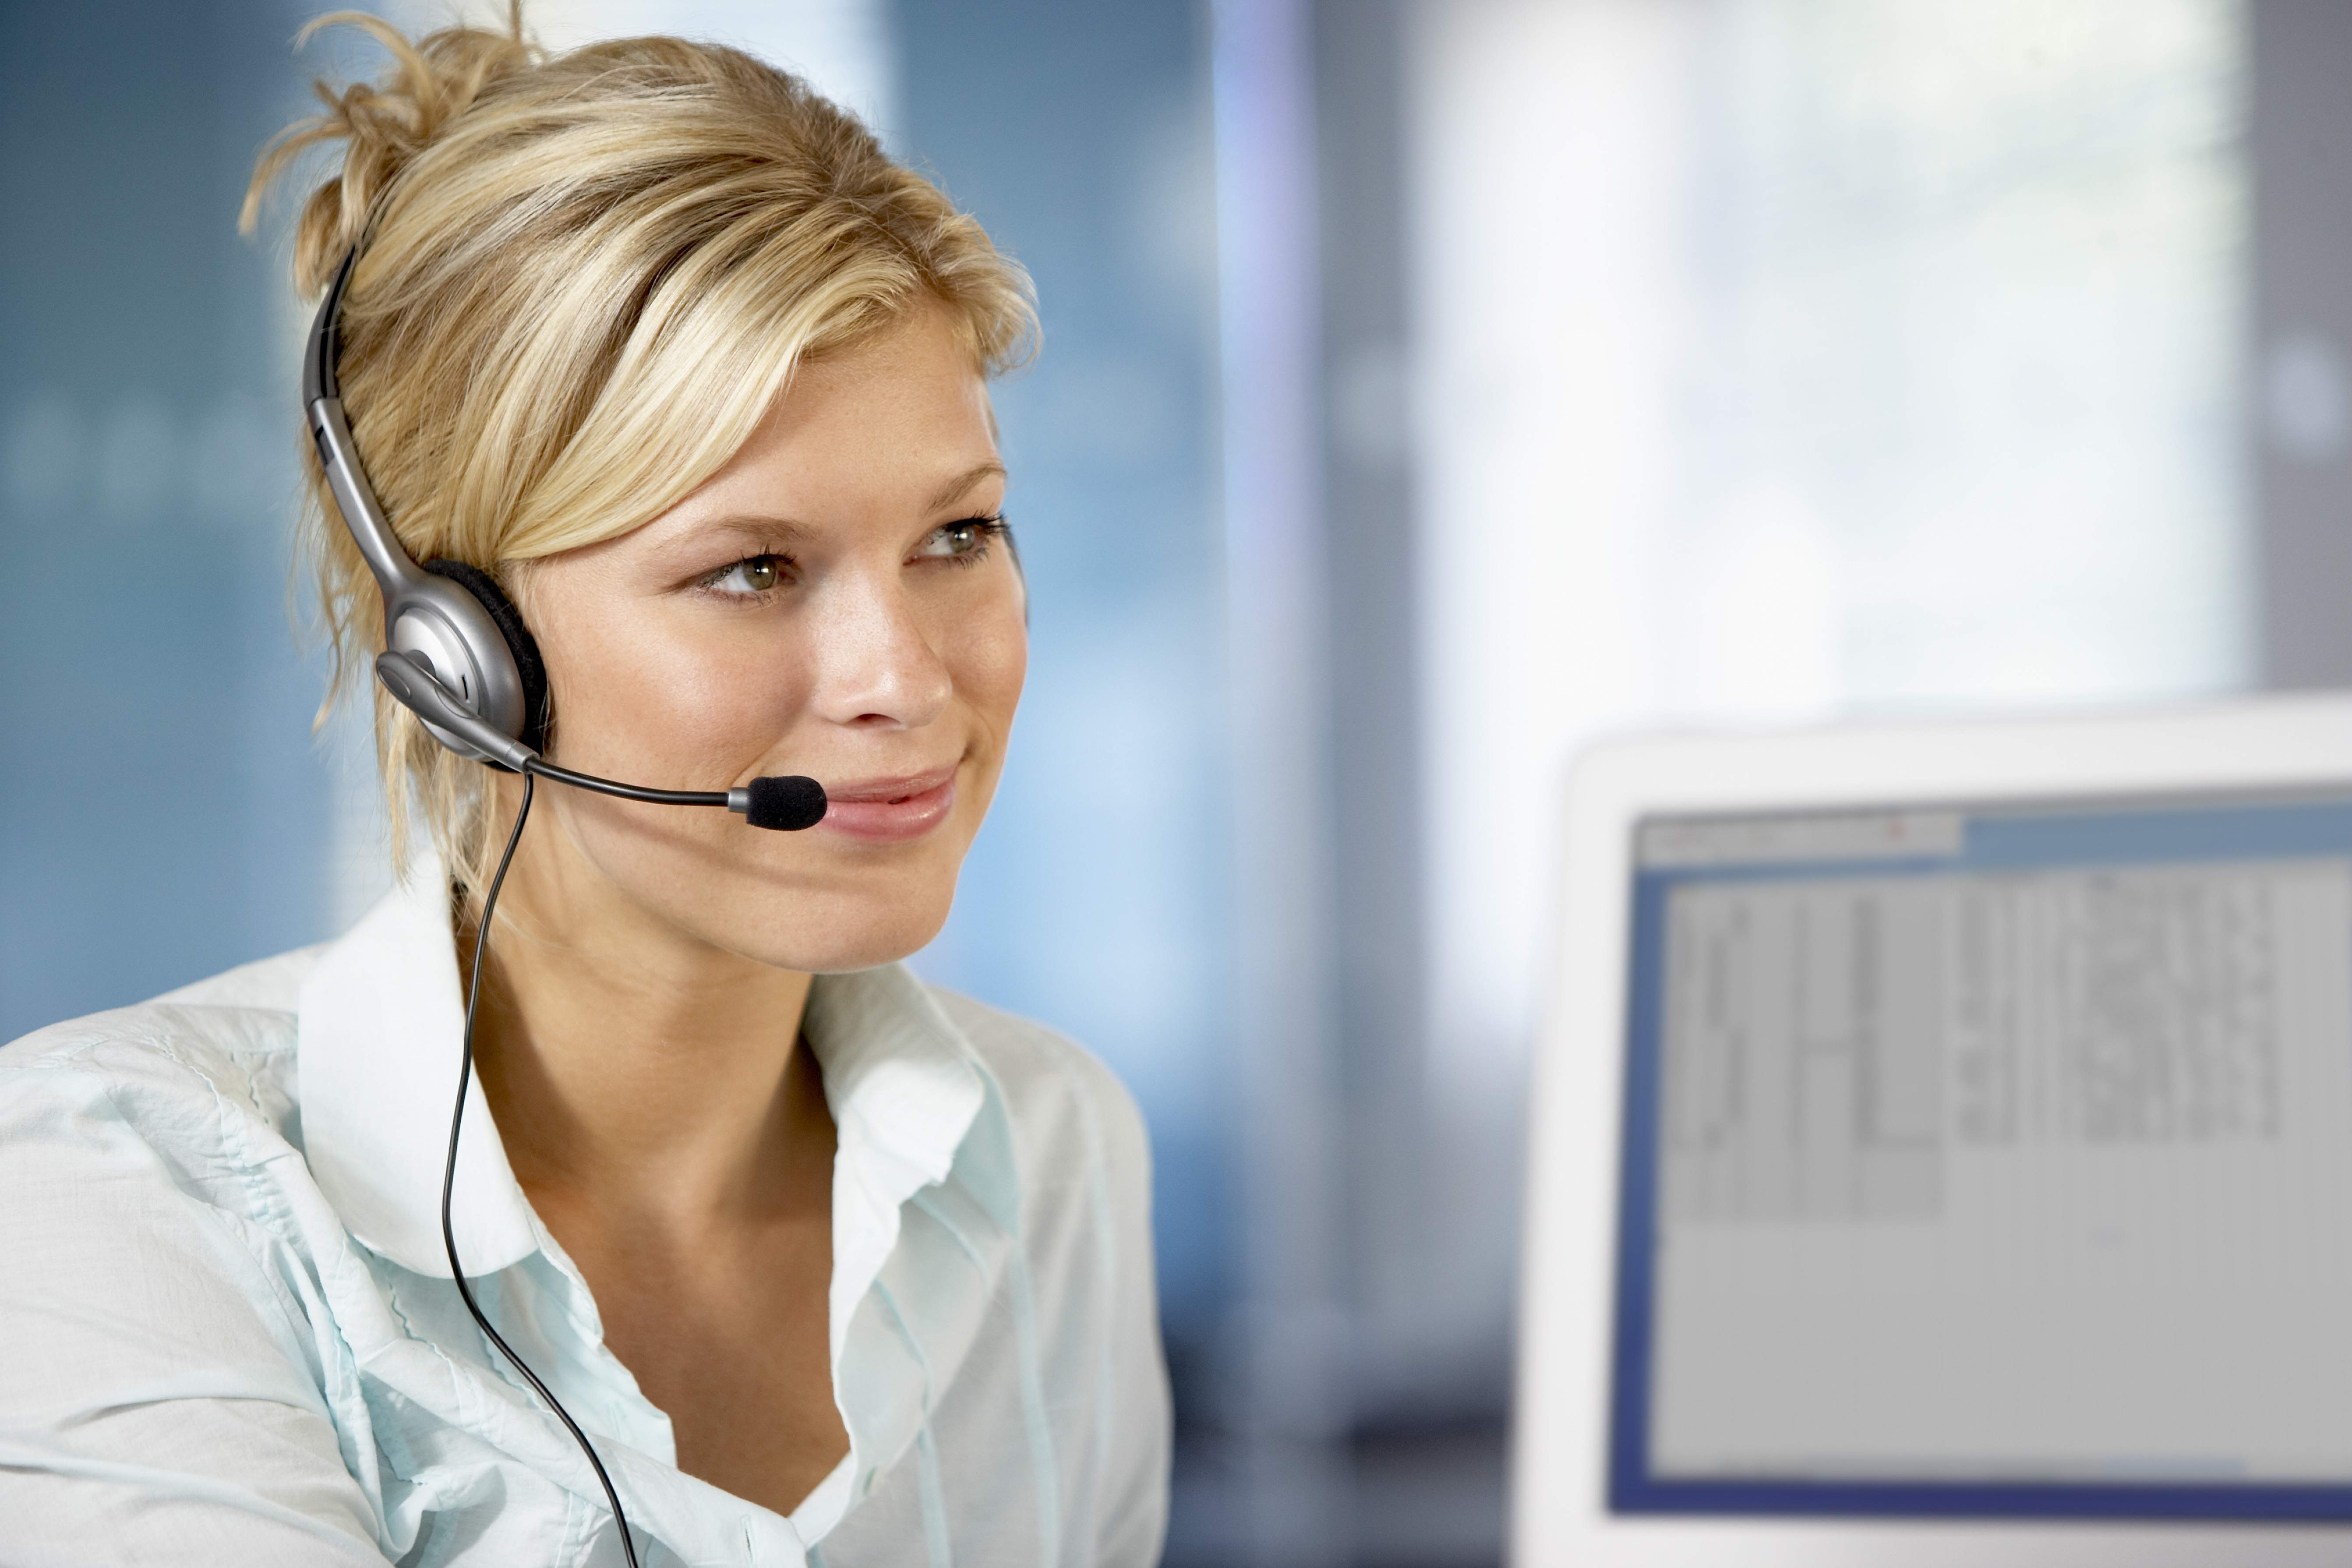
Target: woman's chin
[(854, 939)]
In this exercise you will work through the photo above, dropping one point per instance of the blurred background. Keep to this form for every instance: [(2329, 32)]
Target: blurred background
[(1428, 386)]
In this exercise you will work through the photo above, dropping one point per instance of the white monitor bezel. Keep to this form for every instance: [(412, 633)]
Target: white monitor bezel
[(1559, 1514)]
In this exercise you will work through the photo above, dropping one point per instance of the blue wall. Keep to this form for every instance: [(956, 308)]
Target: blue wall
[(163, 813)]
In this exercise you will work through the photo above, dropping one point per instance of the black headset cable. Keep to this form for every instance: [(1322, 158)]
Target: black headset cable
[(449, 1182)]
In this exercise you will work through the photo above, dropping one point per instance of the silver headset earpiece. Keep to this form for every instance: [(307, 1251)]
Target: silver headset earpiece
[(437, 623)]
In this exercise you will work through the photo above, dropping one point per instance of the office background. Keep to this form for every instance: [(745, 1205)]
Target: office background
[(1428, 386)]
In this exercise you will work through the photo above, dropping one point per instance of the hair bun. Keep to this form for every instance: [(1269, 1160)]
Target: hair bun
[(383, 125)]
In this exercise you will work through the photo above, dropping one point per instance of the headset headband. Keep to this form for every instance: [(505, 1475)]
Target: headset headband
[(319, 358)]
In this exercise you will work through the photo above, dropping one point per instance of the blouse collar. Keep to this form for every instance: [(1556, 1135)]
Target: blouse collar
[(379, 1035)]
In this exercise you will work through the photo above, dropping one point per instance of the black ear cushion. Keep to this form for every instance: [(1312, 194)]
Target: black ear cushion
[(519, 642)]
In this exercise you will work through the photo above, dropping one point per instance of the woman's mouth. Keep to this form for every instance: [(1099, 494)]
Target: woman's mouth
[(890, 811)]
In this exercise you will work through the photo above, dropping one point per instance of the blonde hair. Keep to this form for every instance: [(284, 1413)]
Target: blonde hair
[(583, 278)]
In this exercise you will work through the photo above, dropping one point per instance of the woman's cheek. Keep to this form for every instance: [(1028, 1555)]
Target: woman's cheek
[(992, 664), (742, 705)]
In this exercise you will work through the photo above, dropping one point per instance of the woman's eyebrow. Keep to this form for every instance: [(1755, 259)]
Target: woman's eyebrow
[(955, 490), (766, 527), (758, 527)]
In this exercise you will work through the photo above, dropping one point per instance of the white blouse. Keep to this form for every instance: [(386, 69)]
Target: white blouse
[(228, 1332)]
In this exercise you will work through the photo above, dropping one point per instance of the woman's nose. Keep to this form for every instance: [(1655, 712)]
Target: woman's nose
[(876, 666)]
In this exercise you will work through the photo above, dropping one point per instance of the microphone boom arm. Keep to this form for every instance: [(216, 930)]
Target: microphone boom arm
[(788, 803)]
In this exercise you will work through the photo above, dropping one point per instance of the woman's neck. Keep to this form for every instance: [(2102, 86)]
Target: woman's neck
[(635, 1072)]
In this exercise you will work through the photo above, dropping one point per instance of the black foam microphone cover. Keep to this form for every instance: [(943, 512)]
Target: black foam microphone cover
[(787, 803)]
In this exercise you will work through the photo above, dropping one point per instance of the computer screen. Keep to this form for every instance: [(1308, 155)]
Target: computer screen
[(1990, 1160)]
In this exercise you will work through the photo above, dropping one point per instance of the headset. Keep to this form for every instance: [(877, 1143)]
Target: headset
[(458, 656), (456, 652)]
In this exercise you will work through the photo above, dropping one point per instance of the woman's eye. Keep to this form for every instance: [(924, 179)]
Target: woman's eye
[(753, 574), (963, 541)]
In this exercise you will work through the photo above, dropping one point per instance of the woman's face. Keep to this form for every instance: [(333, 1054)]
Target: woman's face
[(838, 601)]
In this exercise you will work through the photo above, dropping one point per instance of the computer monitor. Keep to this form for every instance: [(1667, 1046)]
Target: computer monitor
[(1942, 1149)]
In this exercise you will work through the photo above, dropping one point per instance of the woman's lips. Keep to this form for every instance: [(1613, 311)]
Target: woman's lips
[(890, 811)]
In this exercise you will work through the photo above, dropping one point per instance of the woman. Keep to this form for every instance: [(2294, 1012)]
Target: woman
[(823, 1264)]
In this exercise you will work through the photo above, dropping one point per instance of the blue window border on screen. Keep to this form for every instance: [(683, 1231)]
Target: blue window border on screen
[(2124, 833)]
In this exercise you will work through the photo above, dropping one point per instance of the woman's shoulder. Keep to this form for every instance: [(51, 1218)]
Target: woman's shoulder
[(1055, 1090), (172, 1065)]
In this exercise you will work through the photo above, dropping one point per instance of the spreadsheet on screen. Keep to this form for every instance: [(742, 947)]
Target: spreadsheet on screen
[(1990, 1160)]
